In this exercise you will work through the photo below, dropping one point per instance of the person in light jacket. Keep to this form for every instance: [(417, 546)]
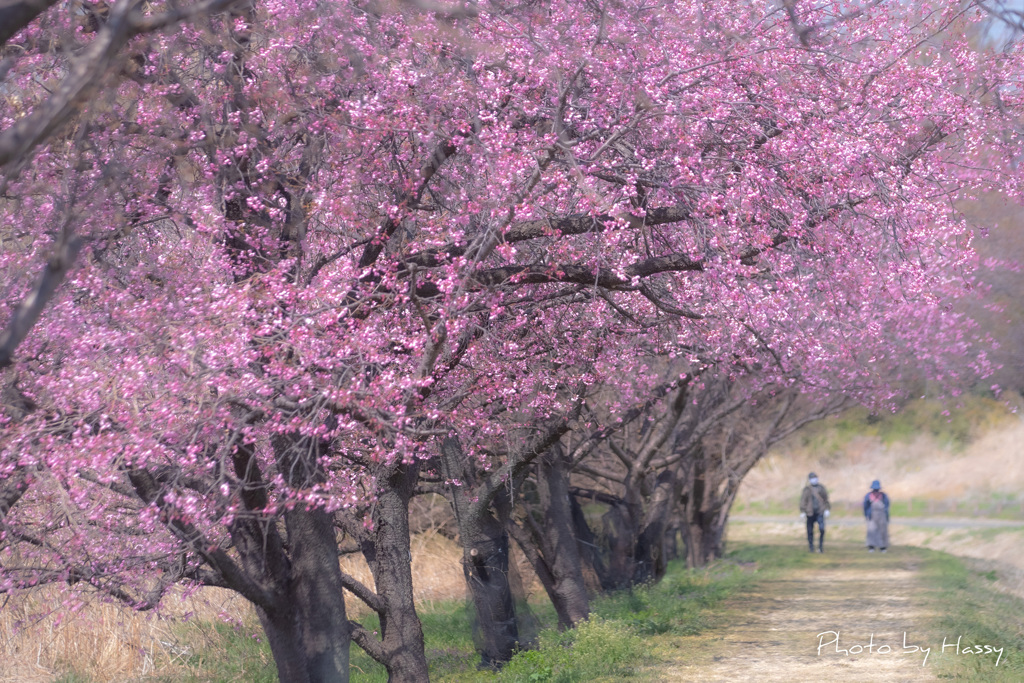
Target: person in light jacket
[(876, 512), (814, 507)]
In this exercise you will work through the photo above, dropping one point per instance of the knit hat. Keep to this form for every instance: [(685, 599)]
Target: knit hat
[(875, 485), (812, 475)]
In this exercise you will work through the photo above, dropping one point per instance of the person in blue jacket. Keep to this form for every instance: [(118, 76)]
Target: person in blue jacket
[(876, 512)]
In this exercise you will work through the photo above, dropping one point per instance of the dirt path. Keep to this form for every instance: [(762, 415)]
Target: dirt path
[(773, 634), (925, 522)]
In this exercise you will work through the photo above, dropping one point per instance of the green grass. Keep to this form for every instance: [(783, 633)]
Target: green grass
[(969, 606), (72, 677), (224, 652), (615, 644), (993, 506), (448, 641), (767, 508), (630, 632), (596, 650)]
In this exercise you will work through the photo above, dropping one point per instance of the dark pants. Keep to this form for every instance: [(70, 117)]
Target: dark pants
[(820, 519)]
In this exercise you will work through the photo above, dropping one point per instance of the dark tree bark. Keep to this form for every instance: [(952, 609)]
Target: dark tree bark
[(12, 489), (387, 550), (595, 570), (635, 532), (569, 590), (282, 630), (17, 14), (486, 567), (481, 506), (308, 631), (316, 589), (713, 466), (305, 621), (550, 543), (697, 508), (485, 562), (650, 554), (709, 492), (295, 586)]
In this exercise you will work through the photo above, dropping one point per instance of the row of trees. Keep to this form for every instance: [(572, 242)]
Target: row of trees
[(331, 256)]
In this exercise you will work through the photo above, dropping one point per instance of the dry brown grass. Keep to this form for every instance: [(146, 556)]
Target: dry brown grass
[(921, 469), (41, 640), (436, 571)]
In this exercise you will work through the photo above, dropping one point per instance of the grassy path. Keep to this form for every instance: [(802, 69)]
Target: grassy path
[(773, 632)]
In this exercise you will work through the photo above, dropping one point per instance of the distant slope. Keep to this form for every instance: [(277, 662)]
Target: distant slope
[(970, 461)]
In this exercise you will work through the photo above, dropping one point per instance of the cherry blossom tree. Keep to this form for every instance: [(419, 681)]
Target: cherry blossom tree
[(78, 82), (322, 244)]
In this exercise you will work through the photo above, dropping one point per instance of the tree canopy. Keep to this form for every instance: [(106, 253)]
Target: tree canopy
[(318, 239)]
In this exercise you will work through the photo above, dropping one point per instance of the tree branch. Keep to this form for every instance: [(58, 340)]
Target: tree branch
[(31, 307), (363, 592), (366, 640)]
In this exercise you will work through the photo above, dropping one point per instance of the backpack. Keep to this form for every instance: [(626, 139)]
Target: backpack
[(816, 504)]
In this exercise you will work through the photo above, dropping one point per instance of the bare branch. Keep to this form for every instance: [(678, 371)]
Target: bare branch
[(368, 642), (17, 14), (363, 592), (31, 308)]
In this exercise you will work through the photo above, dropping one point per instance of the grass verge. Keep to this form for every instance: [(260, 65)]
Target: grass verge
[(615, 644), (970, 610), (619, 642), (632, 633)]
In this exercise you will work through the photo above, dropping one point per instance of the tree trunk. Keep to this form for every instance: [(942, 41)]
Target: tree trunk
[(705, 506), (485, 563), (705, 532), (595, 572), (295, 586), (553, 550), (318, 602), (672, 539), (635, 529), (282, 630), (650, 555), (312, 591), (621, 540), (569, 593), (692, 502), (390, 560)]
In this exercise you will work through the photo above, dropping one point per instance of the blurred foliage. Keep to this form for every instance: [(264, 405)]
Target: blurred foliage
[(951, 424)]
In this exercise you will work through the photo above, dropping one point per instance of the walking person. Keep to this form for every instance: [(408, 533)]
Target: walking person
[(876, 512), (814, 507)]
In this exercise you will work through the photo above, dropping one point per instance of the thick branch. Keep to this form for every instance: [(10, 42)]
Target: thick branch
[(543, 439), (150, 490), (600, 435), (575, 224), (368, 642), (599, 496), (583, 275), (31, 308), (12, 491), (373, 250), (17, 14), (361, 591)]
